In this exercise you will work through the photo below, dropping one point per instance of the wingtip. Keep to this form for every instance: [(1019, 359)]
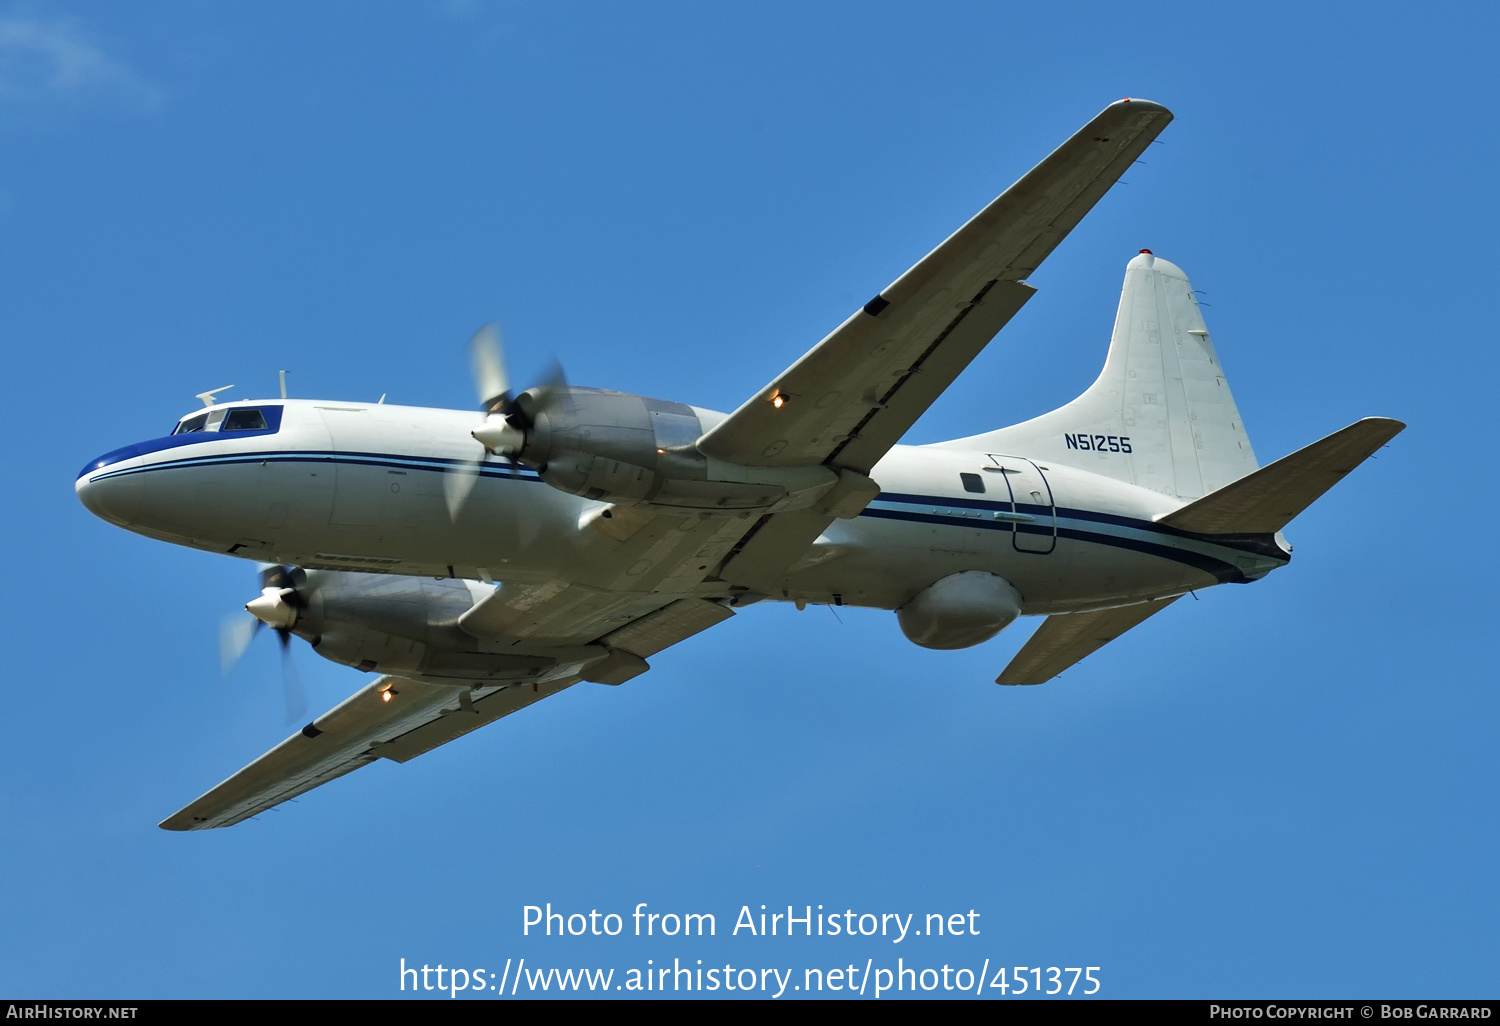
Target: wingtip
[(1011, 681), (183, 822), (1135, 103), (1388, 427)]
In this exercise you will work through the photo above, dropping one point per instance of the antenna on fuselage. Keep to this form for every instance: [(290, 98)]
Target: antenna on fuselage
[(208, 397), (283, 384)]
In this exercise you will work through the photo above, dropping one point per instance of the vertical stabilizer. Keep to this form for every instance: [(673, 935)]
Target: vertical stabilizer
[(1160, 415)]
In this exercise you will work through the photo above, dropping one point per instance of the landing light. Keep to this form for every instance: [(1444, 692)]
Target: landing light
[(778, 400), (385, 696)]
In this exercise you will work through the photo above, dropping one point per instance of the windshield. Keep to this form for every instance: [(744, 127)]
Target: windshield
[(236, 418), (244, 420), (191, 424)]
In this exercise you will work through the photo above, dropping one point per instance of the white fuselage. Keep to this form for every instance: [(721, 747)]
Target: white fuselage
[(359, 486)]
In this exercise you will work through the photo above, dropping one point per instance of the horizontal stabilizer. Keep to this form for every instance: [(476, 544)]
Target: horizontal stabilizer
[(1265, 501), (1065, 638)]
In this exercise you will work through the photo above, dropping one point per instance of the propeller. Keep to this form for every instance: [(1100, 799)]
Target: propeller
[(235, 635), (507, 417), (277, 607), (292, 692)]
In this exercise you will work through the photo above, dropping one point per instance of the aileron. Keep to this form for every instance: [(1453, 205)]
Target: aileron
[(334, 744)]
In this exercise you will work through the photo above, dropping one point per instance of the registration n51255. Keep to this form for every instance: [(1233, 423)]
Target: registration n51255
[(1098, 443)]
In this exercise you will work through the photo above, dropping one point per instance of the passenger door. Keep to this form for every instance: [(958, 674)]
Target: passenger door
[(1031, 503)]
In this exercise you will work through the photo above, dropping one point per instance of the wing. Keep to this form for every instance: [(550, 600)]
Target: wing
[(1064, 639), (853, 396), (595, 634), (609, 634), (365, 727)]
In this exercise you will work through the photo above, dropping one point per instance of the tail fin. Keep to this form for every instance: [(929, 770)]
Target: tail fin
[(1160, 415)]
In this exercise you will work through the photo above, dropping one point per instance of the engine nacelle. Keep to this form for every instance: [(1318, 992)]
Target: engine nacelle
[(960, 610), (406, 626), (635, 451)]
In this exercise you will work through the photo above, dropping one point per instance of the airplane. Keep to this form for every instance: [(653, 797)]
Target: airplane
[(477, 562)]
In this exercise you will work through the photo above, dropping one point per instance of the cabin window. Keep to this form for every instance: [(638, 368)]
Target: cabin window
[(244, 420), (972, 483), (191, 424)]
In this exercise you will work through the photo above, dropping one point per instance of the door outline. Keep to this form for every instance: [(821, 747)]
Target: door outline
[(1044, 536)]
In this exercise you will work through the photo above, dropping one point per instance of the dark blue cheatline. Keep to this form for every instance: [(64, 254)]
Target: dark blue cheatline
[(272, 415), (1162, 541), (353, 459)]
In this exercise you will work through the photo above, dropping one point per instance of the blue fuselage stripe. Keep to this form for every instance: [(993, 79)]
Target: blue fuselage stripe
[(945, 511), (354, 459), (1221, 569)]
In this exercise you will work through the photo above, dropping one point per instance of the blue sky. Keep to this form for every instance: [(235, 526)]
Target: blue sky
[(1280, 790)]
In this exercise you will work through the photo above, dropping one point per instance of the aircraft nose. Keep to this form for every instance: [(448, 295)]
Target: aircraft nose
[(109, 495)]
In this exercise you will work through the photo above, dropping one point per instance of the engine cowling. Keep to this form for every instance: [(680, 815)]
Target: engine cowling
[(636, 451), (402, 625), (960, 610)]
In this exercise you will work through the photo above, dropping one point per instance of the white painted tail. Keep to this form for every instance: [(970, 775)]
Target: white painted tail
[(1160, 415)]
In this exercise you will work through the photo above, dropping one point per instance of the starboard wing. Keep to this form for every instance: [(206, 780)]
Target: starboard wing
[(853, 396)]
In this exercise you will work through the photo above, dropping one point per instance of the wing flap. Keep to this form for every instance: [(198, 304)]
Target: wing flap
[(551, 614), (1264, 501), (454, 723), (666, 627), (778, 542), (847, 384), (1064, 639)]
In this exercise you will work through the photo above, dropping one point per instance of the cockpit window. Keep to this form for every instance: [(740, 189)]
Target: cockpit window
[(244, 420), (264, 419)]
